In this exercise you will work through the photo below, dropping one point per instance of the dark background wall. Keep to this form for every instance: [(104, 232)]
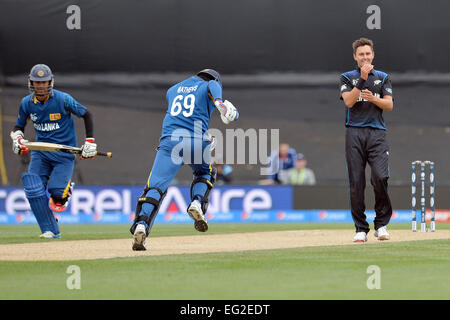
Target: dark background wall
[(128, 123), (243, 36), (280, 61)]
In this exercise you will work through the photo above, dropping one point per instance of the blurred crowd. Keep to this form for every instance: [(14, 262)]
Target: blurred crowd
[(289, 167), (286, 165)]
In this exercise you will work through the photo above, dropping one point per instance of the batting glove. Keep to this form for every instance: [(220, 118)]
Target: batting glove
[(228, 111), (17, 145), (88, 149)]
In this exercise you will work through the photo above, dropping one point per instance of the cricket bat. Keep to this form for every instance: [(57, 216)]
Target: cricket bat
[(53, 147)]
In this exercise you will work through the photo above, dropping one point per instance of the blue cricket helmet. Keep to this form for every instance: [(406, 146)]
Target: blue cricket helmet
[(40, 72), (213, 74)]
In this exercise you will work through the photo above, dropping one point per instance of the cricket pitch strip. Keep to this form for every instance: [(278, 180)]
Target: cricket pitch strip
[(57, 250)]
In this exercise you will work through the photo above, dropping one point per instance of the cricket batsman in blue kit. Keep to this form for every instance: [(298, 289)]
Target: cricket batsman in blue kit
[(184, 140), (50, 173)]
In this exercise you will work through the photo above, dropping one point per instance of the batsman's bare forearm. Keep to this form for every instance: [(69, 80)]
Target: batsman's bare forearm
[(351, 97), (385, 103)]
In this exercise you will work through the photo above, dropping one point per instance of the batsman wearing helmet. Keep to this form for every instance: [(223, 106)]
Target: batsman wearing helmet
[(50, 111), (184, 140)]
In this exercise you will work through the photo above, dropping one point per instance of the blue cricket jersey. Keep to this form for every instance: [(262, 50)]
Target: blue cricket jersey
[(190, 102), (52, 120)]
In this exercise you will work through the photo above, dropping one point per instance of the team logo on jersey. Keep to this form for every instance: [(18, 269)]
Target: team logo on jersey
[(33, 117), (377, 82), (55, 116), (355, 82)]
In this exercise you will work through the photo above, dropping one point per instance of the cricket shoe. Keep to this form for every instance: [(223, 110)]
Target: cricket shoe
[(50, 235), (61, 205), (382, 233), (139, 238), (195, 212), (360, 237)]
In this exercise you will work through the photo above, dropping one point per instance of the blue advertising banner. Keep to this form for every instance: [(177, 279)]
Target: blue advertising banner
[(272, 216), (228, 204), (116, 204)]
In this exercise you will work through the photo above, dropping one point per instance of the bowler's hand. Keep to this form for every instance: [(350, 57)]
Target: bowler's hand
[(367, 95), (365, 70)]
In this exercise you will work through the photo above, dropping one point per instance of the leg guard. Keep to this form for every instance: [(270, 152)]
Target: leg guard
[(38, 199), (209, 184), (144, 199)]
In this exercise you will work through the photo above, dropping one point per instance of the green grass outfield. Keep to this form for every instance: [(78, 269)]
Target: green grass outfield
[(409, 270)]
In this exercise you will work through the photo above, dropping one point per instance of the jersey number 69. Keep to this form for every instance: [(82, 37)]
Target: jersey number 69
[(188, 104)]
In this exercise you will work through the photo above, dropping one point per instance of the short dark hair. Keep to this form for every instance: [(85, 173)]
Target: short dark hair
[(362, 42)]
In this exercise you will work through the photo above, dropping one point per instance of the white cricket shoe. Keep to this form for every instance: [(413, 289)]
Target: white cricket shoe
[(195, 212), (50, 235), (360, 237), (139, 238), (382, 233)]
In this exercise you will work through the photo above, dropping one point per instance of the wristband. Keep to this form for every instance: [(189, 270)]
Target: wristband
[(360, 84), (90, 140)]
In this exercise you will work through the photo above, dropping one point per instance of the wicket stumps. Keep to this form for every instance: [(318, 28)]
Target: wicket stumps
[(423, 225)]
